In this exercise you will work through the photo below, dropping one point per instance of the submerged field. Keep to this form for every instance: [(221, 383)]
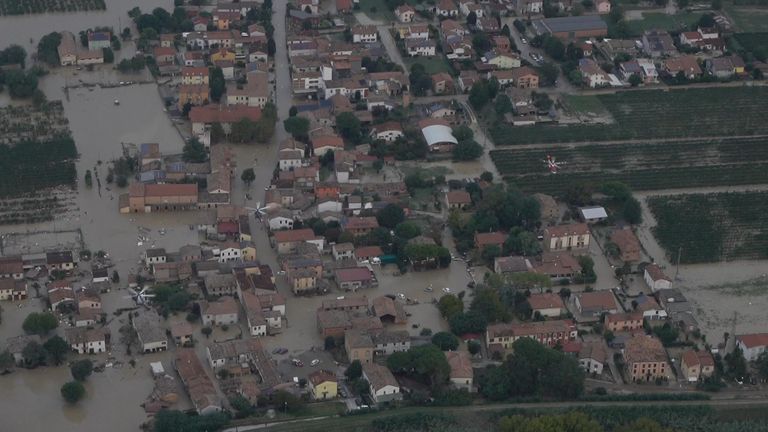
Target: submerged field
[(654, 114), (712, 227), (649, 166)]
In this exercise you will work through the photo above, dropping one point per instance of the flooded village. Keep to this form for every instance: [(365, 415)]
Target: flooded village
[(276, 199)]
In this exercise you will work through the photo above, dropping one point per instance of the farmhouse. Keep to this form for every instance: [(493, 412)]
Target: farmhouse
[(462, 375), (596, 303), (645, 358), (752, 345), (655, 278), (548, 305), (566, 237), (383, 385), (696, 365)]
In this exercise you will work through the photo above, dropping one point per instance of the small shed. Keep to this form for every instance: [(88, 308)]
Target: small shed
[(593, 214)]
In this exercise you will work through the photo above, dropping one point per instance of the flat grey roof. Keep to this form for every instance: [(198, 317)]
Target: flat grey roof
[(573, 23)]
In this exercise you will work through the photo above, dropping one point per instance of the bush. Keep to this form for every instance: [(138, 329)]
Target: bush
[(72, 391)]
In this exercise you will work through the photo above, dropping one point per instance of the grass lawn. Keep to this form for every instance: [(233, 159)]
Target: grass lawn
[(584, 104), (662, 21), (377, 10), (748, 19), (431, 64)]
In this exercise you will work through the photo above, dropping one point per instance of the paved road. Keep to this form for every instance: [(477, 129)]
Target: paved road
[(389, 43)]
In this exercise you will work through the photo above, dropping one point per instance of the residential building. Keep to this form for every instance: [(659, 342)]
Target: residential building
[(596, 303), (60, 260), (359, 346), (658, 43), (592, 74), (624, 322), (364, 34), (223, 311), (147, 198), (67, 49), (342, 251), (511, 264), (405, 13), (202, 391), (549, 333), (593, 356), (697, 365), (359, 226), (645, 358), (557, 266), (182, 333), (502, 59), (525, 77), (323, 385), (388, 310), (628, 245), (420, 47), (11, 289), (547, 305), (752, 345), (83, 340), (193, 94), (352, 279), (219, 284), (484, 240), (367, 253), (686, 65), (458, 199), (194, 75), (655, 278), (389, 131), (154, 256), (383, 385), (287, 241), (11, 267), (151, 335), (566, 237), (462, 375)]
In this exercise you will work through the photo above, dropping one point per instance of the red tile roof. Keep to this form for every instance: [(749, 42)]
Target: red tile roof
[(656, 274), (353, 274), (545, 301), (294, 235), (567, 230), (492, 238), (753, 340), (459, 197)]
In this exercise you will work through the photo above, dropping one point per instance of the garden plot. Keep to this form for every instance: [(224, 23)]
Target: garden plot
[(712, 227), (649, 166), (654, 114)]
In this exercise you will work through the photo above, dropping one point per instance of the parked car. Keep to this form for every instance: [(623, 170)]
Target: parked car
[(314, 362)]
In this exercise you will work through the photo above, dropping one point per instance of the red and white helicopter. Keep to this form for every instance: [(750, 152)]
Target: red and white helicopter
[(553, 165)]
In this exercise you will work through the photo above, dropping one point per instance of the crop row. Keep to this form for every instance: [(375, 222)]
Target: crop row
[(597, 157), (648, 179), (657, 114), (713, 227), (21, 7)]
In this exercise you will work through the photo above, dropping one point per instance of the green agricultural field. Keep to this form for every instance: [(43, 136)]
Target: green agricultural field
[(713, 227), (655, 20), (649, 166), (748, 19), (583, 104), (703, 112), (21, 7)]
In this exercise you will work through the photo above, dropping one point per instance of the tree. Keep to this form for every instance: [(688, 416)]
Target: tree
[(445, 341), (354, 370), (242, 406), (481, 42), (472, 18), (72, 391), (57, 348), (177, 421), (487, 303), (14, 54), (502, 105), (549, 74), (420, 81), (473, 347), (7, 361), (467, 150), (635, 80), (717, 4), (469, 322), (643, 424), (21, 84), (39, 99), (47, 49), (33, 355), (271, 47), (293, 112), (216, 83), (479, 96), (121, 181), (297, 126), (243, 130), (407, 230), (736, 364), (194, 151), (762, 364), (248, 176), (81, 369), (632, 211), (426, 363), (390, 216), (449, 306), (39, 323), (348, 126), (88, 178), (206, 331), (109, 55), (115, 276)]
